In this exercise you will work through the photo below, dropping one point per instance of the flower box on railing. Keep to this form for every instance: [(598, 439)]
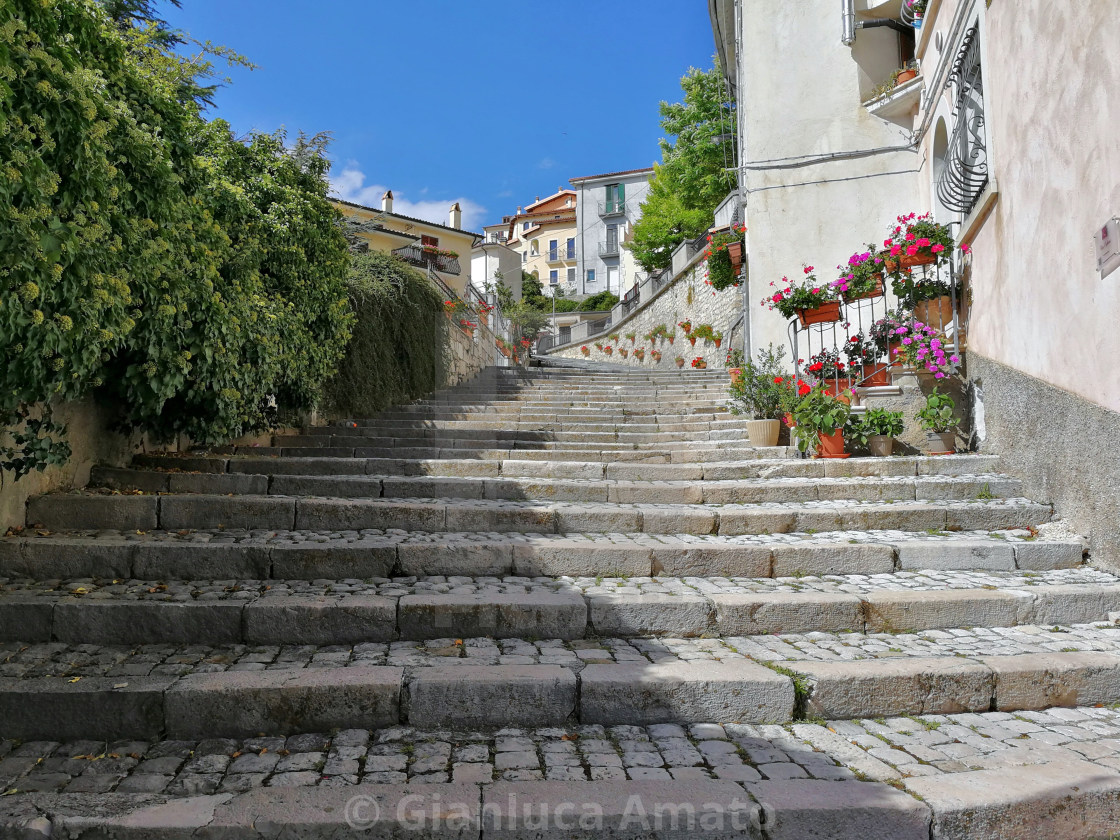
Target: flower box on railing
[(825, 313)]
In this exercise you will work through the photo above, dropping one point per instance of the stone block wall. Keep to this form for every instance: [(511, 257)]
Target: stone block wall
[(686, 297)]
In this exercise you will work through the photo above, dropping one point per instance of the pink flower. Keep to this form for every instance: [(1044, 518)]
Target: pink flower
[(816, 291), (955, 359), (966, 247), (808, 268), (896, 250), (923, 243), (939, 375), (911, 250), (937, 249), (910, 237), (907, 340)]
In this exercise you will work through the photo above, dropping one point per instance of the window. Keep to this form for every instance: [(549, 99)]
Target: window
[(524, 225), (552, 249), (616, 198), (571, 248), (963, 168), (571, 275), (612, 239), (590, 276), (535, 248), (553, 277), (432, 241), (524, 257)]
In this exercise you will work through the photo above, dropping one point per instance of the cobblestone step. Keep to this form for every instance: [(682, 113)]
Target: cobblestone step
[(333, 555), (685, 490), (279, 612), (1025, 775), (199, 691), (191, 511)]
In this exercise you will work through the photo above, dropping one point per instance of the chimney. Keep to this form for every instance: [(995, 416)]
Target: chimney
[(456, 220), (387, 201)]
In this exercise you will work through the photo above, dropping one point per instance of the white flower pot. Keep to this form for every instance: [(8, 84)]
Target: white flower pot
[(763, 432)]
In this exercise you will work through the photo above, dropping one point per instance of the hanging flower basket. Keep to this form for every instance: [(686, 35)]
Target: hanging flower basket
[(692, 340), (876, 292), (823, 314), (910, 261)]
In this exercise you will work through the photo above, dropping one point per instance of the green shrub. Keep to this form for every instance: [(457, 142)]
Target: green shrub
[(599, 302), (397, 352)]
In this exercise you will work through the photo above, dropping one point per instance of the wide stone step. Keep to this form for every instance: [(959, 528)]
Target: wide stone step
[(314, 555), (755, 468), (277, 612), (504, 428), (236, 690), (202, 511), (441, 447), (651, 490), (394, 433)]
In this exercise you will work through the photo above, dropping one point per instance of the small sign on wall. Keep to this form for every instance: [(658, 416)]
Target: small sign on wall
[(1107, 240)]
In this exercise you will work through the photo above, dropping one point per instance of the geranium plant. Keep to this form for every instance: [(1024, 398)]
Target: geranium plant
[(585, 350), (703, 331), (923, 346), (862, 275), (918, 237), (686, 326), (722, 274), (826, 365), (884, 332), (860, 351), (790, 299), (937, 414), (699, 363), (818, 414)]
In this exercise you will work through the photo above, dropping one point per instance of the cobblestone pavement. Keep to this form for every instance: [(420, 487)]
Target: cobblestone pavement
[(376, 537), (248, 590), (936, 744), (58, 659), (585, 753), (883, 750)]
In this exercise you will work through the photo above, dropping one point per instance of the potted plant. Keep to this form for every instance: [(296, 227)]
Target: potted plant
[(724, 257), (631, 336), (936, 417), (820, 419), (811, 302), (670, 337), (703, 331), (686, 326), (608, 349), (639, 354), (916, 240), (623, 352), (924, 349), (826, 369), (862, 277), (886, 335), (614, 338), (680, 361), (763, 390), (585, 350), (875, 430), (863, 355), (717, 339), (700, 363), (655, 355)]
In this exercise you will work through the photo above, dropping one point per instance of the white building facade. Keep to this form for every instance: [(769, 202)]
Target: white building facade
[(608, 205)]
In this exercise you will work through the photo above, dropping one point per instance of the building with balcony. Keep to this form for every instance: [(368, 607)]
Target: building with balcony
[(445, 249), (1008, 134), (608, 206), (544, 235)]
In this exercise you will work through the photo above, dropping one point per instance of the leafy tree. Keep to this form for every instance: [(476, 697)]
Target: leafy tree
[(600, 302), (693, 177), (144, 253)]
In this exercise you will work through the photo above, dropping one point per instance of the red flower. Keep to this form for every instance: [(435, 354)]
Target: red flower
[(802, 388), (777, 380)]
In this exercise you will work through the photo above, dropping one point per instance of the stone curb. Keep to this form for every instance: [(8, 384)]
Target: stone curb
[(200, 511), (571, 554), (289, 701), (354, 619), (645, 487)]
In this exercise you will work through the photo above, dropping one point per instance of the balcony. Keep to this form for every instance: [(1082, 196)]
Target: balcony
[(423, 257), (616, 207), (608, 249), (561, 255)]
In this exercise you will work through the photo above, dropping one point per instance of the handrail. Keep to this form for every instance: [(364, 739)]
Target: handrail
[(418, 255)]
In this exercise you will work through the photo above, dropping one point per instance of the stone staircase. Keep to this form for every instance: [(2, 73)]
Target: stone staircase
[(574, 590)]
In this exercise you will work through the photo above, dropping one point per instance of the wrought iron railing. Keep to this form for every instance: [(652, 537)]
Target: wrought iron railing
[(964, 173), (608, 249), (612, 208), (423, 257), (857, 318), (630, 300)]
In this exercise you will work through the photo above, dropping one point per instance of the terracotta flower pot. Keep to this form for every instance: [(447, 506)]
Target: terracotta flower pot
[(687, 329), (937, 313), (877, 375), (736, 376), (839, 388), (876, 292), (893, 350), (692, 340), (881, 446), (718, 342), (763, 432), (680, 363), (905, 76), (941, 443), (908, 261), (832, 446), (823, 314), (735, 251)]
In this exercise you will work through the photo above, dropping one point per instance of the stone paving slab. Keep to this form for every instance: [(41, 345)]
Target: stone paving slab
[(284, 554)]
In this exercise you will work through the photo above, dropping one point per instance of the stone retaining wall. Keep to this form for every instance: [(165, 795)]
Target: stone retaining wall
[(686, 297)]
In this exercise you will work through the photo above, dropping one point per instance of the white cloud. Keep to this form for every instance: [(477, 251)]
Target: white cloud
[(546, 163), (350, 185)]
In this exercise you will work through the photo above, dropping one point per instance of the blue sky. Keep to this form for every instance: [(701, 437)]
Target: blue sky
[(482, 102)]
